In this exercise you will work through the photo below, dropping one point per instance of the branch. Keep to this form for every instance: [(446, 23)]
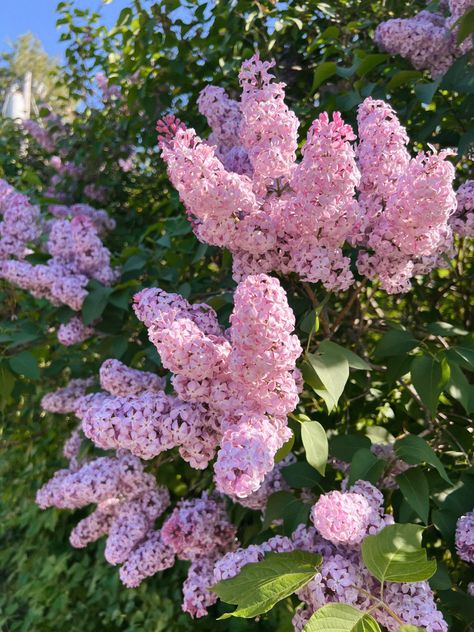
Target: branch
[(315, 303), (343, 313)]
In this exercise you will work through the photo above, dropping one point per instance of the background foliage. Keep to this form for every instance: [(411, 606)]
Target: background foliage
[(161, 55)]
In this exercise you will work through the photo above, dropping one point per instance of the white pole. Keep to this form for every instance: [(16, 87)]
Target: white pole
[(27, 93)]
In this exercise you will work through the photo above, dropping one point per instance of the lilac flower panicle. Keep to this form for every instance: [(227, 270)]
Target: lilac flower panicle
[(465, 537), (342, 518), (275, 213)]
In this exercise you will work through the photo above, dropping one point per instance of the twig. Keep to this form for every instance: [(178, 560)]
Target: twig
[(315, 303), (380, 604), (343, 313)]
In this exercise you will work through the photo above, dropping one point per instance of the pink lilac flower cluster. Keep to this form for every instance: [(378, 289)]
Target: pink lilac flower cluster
[(20, 225), (96, 192), (66, 168), (76, 249), (462, 222), (198, 597), (243, 188), (345, 518), (343, 578), (465, 537), (65, 399), (76, 245), (427, 40), (118, 379), (270, 211), (272, 483), (234, 389), (198, 528), (458, 8), (135, 414), (405, 227), (341, 518), (74, 331), (108, 91), (42, 135), (245, 378), (100, 218), (224, 118), (128, 503)]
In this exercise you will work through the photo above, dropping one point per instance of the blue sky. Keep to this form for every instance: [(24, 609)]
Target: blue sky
[(39, 17)]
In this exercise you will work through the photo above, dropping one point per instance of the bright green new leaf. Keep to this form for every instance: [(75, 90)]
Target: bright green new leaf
[(315, 443), (339, 617), (414, 450), (258, 587), (396, 555), (415, 489)]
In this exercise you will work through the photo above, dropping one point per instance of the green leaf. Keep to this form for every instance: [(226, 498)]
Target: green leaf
[(365, 466), (403, 77), (95, 304), (414, 450), (322, 72), (369, 62), (415, 489), (300, 475), (7, 382), (465, 26), (135, 262), (429, 377), (396, 555), (285, 449), (458, 603), (462, 355), (339, 617), (395, 342), (460, 389), (440, 328), (426, 91), (354, 361), (466, 143), (315, 443), (441, 579), (332, 369), (284, 505), (25, 363), (258, 587), (343, 447), (409, 628)]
